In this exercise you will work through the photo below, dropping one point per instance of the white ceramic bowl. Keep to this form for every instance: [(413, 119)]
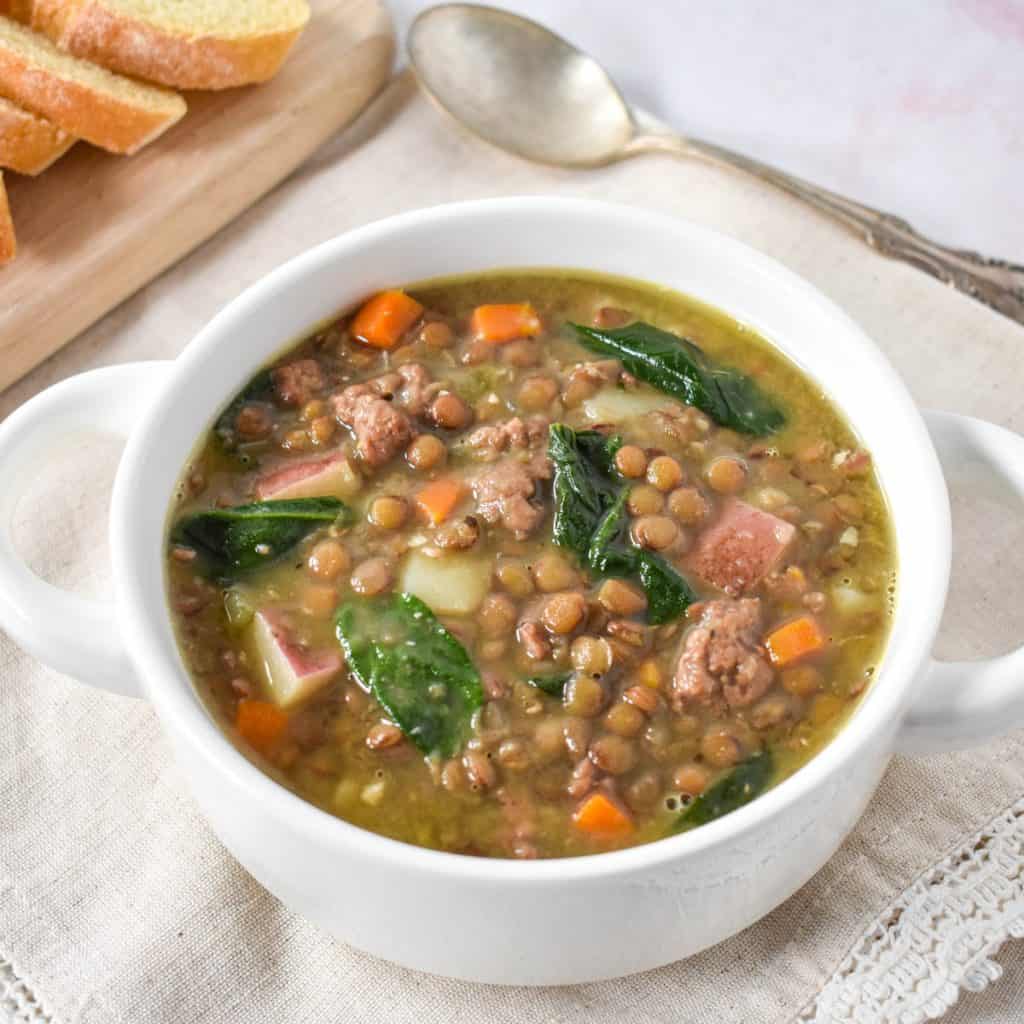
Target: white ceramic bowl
[(555, 921)]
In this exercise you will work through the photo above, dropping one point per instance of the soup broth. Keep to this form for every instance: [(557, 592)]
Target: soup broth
[(530, 564)]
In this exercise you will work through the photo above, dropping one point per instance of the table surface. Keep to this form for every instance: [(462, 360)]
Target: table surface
[(916, 107)]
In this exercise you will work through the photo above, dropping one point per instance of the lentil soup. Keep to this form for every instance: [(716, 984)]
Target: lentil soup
[(530, 564)]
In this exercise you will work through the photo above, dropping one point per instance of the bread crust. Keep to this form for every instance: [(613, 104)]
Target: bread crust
[(108, 121), (130, 46), (29, 144), (8, 243)]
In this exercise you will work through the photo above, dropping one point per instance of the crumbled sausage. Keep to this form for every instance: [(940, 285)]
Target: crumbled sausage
[(296, 383), (491, 440), (416, 388), (723, 654), (503, 494), (381, 430)]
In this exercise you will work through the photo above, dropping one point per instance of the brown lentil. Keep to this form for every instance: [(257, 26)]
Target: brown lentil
[(373, 576), (564, 612), (624, 720), (664, 473), (801, 681), (389, 512), (328, 559), (655, 532), (576, 734), (584, 696), (319, 601), (426, 452), (515, 577), (720, 749), (497, 615), (691, 779), (726, 475), (688, 505), (552, 572), (631, 461), (537, 393), (591, 655), (450, 412), (642, 697), (620, 598), (645, 500), (437, 334), (613, 754), (383, 736)]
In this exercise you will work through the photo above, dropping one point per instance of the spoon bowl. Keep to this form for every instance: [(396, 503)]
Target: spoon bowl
[(519, 86)]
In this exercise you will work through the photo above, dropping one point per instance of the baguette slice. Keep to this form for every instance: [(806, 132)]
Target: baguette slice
[(29, 144), (84, 100), (8, 245), (186, 44)]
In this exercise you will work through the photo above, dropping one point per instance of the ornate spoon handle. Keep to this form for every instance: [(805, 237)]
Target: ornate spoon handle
[(996, 283)]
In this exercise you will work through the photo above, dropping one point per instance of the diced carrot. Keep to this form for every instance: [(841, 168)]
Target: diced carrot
[(260, 723), (505, 322), (439, 498), (599, 815), (795, 640), (385, 318)]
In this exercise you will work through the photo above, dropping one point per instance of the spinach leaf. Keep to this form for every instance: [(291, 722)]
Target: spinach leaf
[(249, 536), (415, 668), (679, 368), (668, 593), (583, 485), (747, 780), (612, 553), (553, 685), (259, 389)]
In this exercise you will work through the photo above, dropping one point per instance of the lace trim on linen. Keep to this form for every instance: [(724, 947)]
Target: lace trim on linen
[(937, 939), (18, 1004)]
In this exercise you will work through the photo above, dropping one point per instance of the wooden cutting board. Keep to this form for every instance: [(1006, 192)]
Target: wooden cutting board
[(95, 227)]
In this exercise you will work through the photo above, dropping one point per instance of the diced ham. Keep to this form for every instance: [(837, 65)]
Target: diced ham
[(740, 548), (292, 671), (333, 476), (296, 383), (504, 491), (723, 655), (381, 430)]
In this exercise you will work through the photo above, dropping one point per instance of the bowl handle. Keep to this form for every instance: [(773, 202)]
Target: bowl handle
[(70, 633), (962, 703)]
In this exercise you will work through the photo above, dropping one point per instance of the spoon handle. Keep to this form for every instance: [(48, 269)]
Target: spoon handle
[(994, 282)]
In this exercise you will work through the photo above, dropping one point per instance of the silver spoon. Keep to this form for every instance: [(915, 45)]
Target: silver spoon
[(526, 90)]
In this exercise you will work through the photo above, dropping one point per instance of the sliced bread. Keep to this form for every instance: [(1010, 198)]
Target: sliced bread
[(84, 100), (186, 44), (29, 144), (8, 245)]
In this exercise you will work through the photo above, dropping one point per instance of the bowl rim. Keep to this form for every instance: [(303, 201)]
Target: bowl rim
[(170, 690)]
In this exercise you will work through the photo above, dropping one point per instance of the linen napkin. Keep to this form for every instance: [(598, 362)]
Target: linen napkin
[(117, 904)]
